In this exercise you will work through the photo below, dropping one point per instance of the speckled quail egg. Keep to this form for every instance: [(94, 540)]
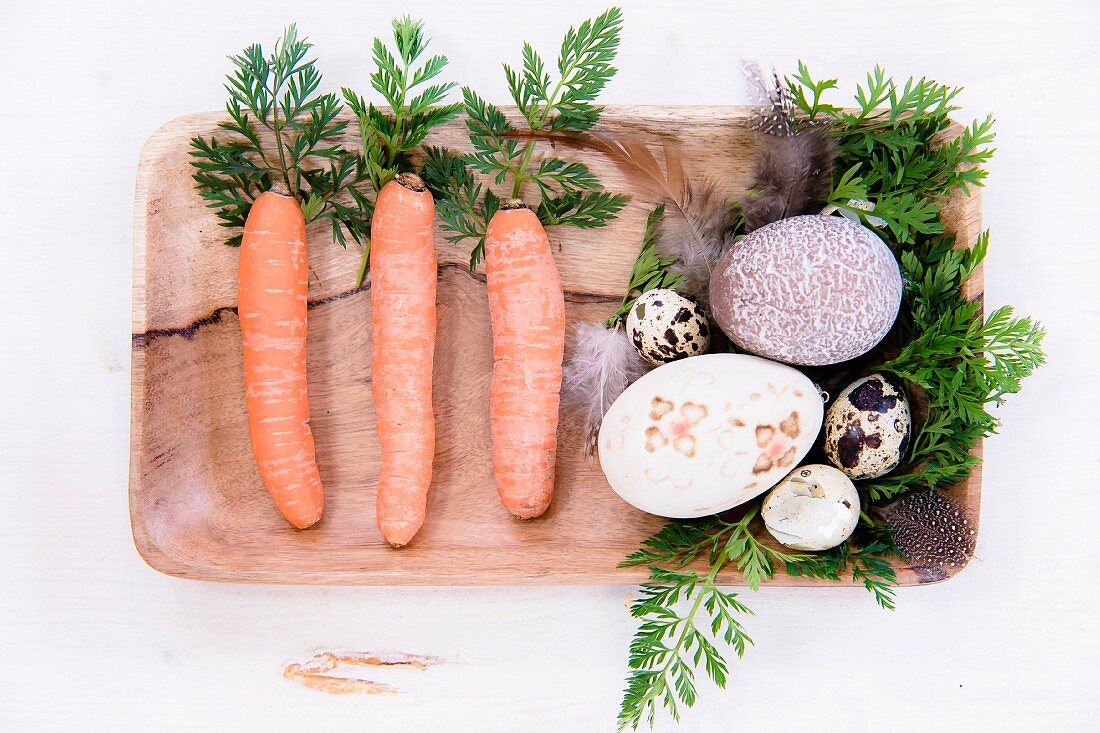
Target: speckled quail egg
[(664, 326), (816, 507), (867, 429)]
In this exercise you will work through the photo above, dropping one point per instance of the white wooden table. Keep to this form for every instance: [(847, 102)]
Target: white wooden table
[(91, 638)]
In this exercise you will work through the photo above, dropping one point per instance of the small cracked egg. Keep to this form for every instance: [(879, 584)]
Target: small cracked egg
[(664, 326), (816, 507), (867, 428)]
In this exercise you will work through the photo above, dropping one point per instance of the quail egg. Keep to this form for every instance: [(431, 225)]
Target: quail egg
[(867, 429), (816, 507), (664, 326)]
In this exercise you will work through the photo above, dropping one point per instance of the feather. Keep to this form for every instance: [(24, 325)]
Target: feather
[(697, 240), (699, 218), (695, 234), (793, 173), (774, 111), (601, 365), (931, 531)]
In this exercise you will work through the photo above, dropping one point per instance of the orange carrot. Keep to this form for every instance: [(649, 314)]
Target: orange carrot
[(403, 317), (527, 308), (271, 301)]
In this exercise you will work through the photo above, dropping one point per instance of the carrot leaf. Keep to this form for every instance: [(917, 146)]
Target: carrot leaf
[(276, 94), (569, 192), (391, 135), (686, 620), (650, 269), (584, 68), (582, 210), (494, 154), (464, 205)]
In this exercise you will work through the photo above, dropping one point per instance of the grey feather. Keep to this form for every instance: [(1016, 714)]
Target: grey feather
[(697, 239), (774, 113), (697, 217), (601, 364), (793, 173)]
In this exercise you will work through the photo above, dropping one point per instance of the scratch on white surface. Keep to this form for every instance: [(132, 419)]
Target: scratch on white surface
[(319, 672)]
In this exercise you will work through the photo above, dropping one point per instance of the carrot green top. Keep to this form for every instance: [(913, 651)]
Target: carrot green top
[(281, 131), (390, 136), (569, 192)]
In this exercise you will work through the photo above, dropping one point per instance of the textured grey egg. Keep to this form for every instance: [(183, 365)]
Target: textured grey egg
[(816, 507), (664, 326), (867, 429), (808, 290)]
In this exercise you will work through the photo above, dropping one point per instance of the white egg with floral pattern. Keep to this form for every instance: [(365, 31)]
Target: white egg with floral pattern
[(704, 434)]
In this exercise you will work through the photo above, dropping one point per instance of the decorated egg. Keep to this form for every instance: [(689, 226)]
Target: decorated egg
[(701, 435), (808, 290), (816, 507), (664, 326), (867, 428)]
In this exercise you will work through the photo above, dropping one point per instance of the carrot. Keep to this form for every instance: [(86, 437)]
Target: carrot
[(271, 301), (403, 319), (526, 301), (279, 149), (527, 309)]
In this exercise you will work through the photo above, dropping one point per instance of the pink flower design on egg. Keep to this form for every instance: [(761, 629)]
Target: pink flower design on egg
[(777, 444), (673, 427)]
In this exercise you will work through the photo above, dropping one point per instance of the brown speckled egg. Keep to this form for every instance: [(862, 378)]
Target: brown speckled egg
[(867, 429), (809, 290), (664, 326)]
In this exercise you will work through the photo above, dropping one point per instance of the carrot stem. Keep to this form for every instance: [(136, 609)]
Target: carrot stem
[(363, 266)]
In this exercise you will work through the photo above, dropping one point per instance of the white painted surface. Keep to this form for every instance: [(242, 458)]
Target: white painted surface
[(93, 639)]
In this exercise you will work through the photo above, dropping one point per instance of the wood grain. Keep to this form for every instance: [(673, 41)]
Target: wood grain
[(197, 506)]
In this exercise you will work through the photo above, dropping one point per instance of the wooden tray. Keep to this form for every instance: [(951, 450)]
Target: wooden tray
[(197, 506)]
